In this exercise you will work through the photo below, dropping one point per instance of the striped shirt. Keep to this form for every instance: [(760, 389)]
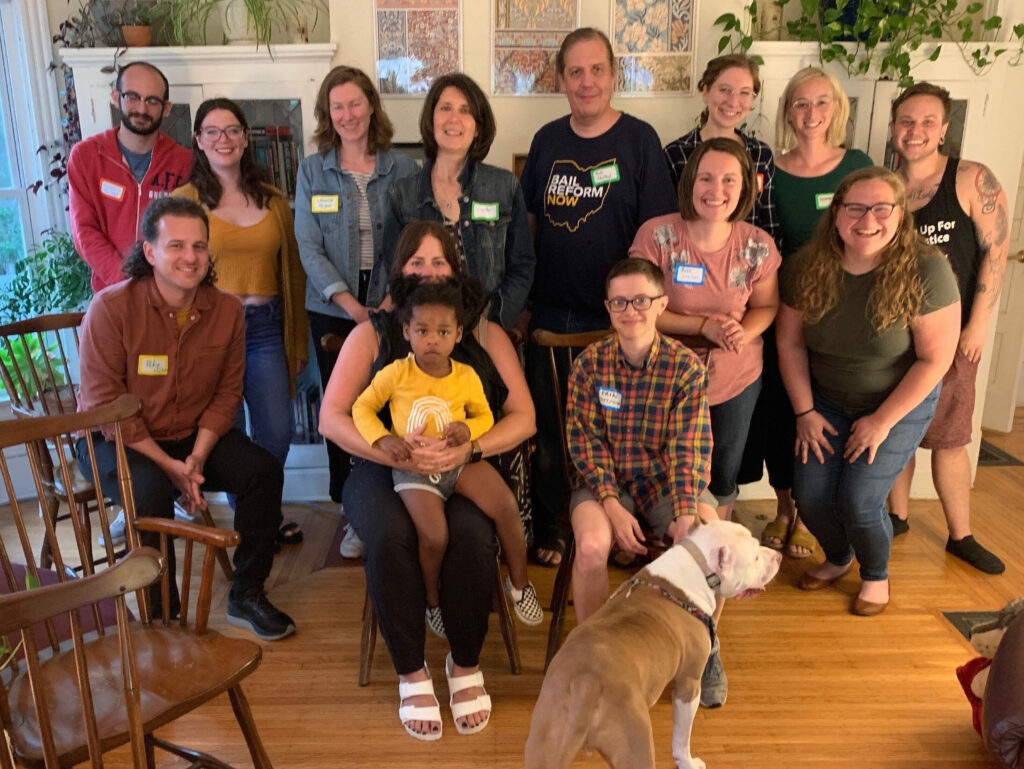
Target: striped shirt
[(763, 214), (365, 227), (646, 430)]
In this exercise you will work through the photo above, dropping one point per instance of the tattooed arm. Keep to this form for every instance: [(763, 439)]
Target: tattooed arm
[(988, 210)]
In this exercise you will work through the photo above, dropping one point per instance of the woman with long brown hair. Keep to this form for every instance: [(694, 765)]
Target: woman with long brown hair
[(867, 327)]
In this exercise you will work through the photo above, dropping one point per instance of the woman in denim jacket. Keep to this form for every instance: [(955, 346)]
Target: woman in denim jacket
[(340, 209), (480, 205)]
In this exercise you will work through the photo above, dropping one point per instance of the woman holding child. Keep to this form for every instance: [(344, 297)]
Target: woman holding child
[(394, 576)]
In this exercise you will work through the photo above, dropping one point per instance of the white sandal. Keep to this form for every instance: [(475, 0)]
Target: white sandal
[(409, 713), (462, 709)]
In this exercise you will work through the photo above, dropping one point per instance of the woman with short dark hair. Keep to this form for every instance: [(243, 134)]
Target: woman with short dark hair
[(480, 205)]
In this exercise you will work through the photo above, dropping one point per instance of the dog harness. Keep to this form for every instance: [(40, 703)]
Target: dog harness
[(693, 609)]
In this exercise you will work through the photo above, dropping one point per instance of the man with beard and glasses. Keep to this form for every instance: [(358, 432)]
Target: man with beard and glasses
[(114, 175)]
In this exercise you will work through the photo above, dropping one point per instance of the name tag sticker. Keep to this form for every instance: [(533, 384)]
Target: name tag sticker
[(605, 175), (112, 190), (688, 275), (153, 365), (823, 199), (324, 204), (484, 212), (760, 183), (609, 398)]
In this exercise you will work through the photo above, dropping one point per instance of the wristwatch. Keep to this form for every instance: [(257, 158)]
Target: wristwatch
[(477, 454)]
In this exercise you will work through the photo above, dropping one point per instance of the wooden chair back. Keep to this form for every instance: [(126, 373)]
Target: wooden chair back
[(67, 639), (36, 364)]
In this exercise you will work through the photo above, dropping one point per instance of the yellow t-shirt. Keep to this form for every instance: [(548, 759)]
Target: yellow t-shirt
[(416, 398), (247, 258)]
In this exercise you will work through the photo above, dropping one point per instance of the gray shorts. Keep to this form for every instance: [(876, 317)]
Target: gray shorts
[(658, 517), (442, 484)]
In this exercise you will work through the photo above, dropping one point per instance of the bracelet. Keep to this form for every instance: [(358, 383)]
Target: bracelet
[(700, 329), (804, 413)]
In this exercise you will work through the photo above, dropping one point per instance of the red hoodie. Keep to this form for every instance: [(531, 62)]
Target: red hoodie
[(106, 202)]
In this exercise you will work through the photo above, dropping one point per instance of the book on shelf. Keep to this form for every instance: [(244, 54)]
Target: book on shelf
[(273, 147)]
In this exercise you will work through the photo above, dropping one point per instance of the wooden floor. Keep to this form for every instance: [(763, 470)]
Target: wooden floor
[(810, 686)]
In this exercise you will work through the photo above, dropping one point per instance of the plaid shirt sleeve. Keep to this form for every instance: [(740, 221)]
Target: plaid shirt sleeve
[(763, 215), (689, 439), (584, 429)]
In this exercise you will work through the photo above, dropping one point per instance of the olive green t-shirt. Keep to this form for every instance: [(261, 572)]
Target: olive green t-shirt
[(852, 365)]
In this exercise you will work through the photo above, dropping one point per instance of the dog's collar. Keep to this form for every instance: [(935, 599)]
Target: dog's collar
[(709, 576), (696, 611)]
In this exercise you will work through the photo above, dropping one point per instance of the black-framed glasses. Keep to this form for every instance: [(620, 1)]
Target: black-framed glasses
[(618, 304), (131, 98), (878, 210), (213, 133)]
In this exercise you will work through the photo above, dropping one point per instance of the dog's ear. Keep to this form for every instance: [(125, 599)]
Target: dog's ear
[(725, 561)]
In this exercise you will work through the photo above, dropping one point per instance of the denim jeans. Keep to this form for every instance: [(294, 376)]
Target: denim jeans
[(550, 493), (843, 503), (730, 422), (266, 388)]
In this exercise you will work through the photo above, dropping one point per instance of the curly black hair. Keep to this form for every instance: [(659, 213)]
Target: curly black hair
[(463, 293)]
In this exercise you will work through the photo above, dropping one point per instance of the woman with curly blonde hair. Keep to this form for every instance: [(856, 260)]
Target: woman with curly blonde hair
[(867, 326)]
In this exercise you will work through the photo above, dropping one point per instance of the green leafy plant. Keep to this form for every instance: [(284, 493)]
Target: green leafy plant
[(52, 277), (137, 13), (187, 19), (884, 34), (39, 356)]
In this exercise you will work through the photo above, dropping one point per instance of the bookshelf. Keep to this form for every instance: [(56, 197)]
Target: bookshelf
[(277, 95)]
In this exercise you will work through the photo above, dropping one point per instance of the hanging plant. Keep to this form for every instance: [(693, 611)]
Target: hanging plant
[(865, 36)]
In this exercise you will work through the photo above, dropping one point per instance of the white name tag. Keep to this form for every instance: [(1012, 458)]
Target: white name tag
[(112, 190), (153, 365), (689, 274), (609, 398), (324, 204), (823, 199), (605, 175), (484, 212)]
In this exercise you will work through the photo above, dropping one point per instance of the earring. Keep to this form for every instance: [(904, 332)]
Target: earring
[(942, 140)]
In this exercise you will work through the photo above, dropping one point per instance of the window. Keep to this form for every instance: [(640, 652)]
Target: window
[(15, 218)]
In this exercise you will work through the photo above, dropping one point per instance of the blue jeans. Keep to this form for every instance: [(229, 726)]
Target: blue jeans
[(266, 388), (730, 422), (843, 503)]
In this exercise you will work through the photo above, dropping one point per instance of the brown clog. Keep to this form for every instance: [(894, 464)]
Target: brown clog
[(864, 608)]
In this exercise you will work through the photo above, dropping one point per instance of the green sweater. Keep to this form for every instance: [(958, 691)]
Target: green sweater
[(853, 365), (799, 200)]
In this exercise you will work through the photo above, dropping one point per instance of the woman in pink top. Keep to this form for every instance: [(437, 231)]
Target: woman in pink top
[(720, 278)]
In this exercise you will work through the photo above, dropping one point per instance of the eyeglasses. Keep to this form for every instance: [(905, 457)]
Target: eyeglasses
[(131, 98), (212, 133), (802, 105), (878, 210), (744, 94), (618, 304)]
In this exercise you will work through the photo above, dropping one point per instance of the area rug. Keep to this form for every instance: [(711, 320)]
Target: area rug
[(334, 558), (990, 456), (965, 620)]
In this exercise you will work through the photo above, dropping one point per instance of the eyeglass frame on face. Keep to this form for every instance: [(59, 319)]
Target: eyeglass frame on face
[(212, 133), (850, 209), (622, 303), (803, 105), (150, 101)]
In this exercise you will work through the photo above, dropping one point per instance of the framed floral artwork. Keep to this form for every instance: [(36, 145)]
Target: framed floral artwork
[(417, 41), (654, 43), (525, 36)]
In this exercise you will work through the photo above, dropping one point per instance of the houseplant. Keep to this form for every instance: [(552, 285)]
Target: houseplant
[(259, 18), (884, 34), (135, 19), (52, 277)]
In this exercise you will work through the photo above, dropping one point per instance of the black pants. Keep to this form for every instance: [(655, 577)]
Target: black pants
[(772, 432), (338, 461), (236, 465), (394, 578)]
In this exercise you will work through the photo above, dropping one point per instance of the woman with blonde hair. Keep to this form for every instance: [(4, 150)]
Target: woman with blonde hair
[(340, 207), (810, 163), (868, 325)]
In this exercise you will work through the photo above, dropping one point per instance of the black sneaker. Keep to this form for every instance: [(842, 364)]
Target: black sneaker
[(899, 525), (254, 611), (970, 550)]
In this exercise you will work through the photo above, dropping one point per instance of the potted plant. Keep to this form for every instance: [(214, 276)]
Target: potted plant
[(136, 19), (880, 36), (52, 277), (243, 21)]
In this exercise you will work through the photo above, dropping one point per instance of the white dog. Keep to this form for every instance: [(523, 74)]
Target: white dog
[(614, 667)]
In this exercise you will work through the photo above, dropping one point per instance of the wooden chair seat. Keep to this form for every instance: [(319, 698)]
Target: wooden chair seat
[(177, 673)]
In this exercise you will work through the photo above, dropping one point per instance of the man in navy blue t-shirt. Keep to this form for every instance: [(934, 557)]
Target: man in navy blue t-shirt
[(591, 179)]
